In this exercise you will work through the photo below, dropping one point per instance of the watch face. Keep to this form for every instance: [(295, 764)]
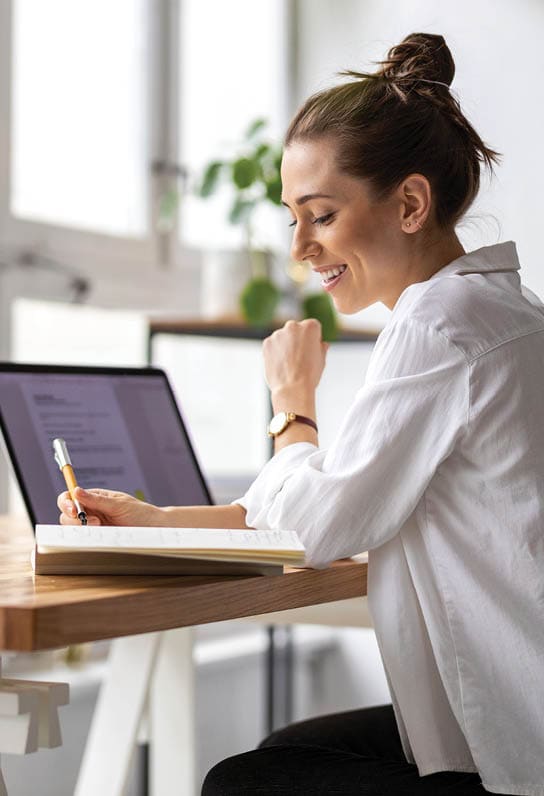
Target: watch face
[(278, 423)]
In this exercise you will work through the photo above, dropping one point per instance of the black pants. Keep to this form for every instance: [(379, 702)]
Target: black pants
[(358, 753)]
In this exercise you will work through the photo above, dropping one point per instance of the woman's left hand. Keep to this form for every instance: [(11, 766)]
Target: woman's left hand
[(294, 359)]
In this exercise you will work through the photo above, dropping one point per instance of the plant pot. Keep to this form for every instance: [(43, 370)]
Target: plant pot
[(224, 275)]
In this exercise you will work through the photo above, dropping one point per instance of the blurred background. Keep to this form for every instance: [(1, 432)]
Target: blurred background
[(112, 116)]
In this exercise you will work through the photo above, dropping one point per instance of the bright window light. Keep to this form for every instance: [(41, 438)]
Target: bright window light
[(80, 118), (232, 72)]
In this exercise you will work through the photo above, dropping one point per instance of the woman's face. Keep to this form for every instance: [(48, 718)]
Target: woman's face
[(356, 244)]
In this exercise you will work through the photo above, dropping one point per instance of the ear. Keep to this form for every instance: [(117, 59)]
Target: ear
[(415, 197)]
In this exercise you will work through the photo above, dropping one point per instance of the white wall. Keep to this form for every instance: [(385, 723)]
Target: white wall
[(497, 47)]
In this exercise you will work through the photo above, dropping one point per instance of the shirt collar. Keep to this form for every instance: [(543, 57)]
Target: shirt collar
[(501, 257)]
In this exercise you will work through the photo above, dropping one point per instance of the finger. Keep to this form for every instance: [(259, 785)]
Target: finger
[(68, 508), (314, 327), (105, 504), (107, 493), (99, 499), (62, 498)]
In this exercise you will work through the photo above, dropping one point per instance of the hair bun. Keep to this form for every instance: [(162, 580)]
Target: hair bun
[(420, 56)]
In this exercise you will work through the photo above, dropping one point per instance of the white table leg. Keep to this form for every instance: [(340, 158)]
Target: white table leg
[(171, 716), (117, 715)]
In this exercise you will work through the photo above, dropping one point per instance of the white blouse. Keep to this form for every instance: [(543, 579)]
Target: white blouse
[(438, 471)]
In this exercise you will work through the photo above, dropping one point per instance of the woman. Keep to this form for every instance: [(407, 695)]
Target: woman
[(437, 468)]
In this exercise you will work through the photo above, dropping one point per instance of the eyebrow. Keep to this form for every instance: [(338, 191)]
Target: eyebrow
[(306, 198)]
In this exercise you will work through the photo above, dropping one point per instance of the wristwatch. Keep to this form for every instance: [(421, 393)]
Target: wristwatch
[(279, 422)]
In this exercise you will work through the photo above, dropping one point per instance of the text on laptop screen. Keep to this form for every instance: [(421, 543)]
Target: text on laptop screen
[(123, 432)]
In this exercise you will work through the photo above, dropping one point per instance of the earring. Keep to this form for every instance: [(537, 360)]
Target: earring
[(408, 224)]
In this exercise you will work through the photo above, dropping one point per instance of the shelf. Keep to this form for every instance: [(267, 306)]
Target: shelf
[(235, 328)]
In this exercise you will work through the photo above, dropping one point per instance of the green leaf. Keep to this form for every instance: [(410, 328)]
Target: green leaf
[(244, 172), (273, 191), (255, 127), (262, 149), (258, 302), (210, 178), (241, 210), (320, 306)]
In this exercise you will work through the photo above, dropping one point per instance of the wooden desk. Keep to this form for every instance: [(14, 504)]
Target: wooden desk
[(42, 612)]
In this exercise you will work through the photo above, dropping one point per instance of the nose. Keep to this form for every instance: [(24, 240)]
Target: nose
[(303, 245)]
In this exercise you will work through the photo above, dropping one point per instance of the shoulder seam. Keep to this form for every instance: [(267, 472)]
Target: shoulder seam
[(435, 331), (505, 342)]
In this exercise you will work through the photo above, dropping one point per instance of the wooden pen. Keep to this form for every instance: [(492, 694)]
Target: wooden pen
[(62, 458)]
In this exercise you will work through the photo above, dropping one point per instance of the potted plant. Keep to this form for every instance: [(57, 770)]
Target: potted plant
[(253, 174)]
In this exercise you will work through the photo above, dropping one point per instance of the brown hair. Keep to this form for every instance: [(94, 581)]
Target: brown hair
[(399, 120)]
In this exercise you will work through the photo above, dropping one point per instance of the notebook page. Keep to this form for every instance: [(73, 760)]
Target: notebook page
[(96, 537)]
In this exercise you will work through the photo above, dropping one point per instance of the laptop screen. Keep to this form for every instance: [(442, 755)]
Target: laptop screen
[(122, 428)]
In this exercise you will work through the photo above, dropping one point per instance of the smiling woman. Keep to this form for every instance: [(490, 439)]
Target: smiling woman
[(437, 469), (384, 167), (427, 467), (365, 248)]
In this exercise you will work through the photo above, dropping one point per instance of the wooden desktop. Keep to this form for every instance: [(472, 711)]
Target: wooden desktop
[(44, 612)]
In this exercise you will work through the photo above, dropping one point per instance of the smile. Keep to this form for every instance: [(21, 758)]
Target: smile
[(331, 278)]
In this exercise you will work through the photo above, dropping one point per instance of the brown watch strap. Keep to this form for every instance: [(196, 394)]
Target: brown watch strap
[(301, 419), (282, 420)]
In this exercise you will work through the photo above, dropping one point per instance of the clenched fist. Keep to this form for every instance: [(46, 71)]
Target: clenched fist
[(294, 358)]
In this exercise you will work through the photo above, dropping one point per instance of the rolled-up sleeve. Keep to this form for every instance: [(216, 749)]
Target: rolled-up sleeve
[(404, 422)]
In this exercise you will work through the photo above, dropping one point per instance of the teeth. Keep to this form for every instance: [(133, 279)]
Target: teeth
[(336, 271)]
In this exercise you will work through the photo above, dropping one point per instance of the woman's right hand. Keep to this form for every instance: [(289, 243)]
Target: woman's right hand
[(106, 507), (294, 359)]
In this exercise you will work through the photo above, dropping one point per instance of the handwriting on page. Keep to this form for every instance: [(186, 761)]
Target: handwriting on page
[(264, 539)]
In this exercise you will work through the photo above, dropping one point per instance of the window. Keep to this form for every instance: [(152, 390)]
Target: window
[(101, 102), (234, 69), (79, 114)]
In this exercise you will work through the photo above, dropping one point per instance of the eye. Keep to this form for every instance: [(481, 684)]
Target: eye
[(323, 219)]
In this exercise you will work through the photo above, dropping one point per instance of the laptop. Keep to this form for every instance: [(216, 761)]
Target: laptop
[(122, 427)]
